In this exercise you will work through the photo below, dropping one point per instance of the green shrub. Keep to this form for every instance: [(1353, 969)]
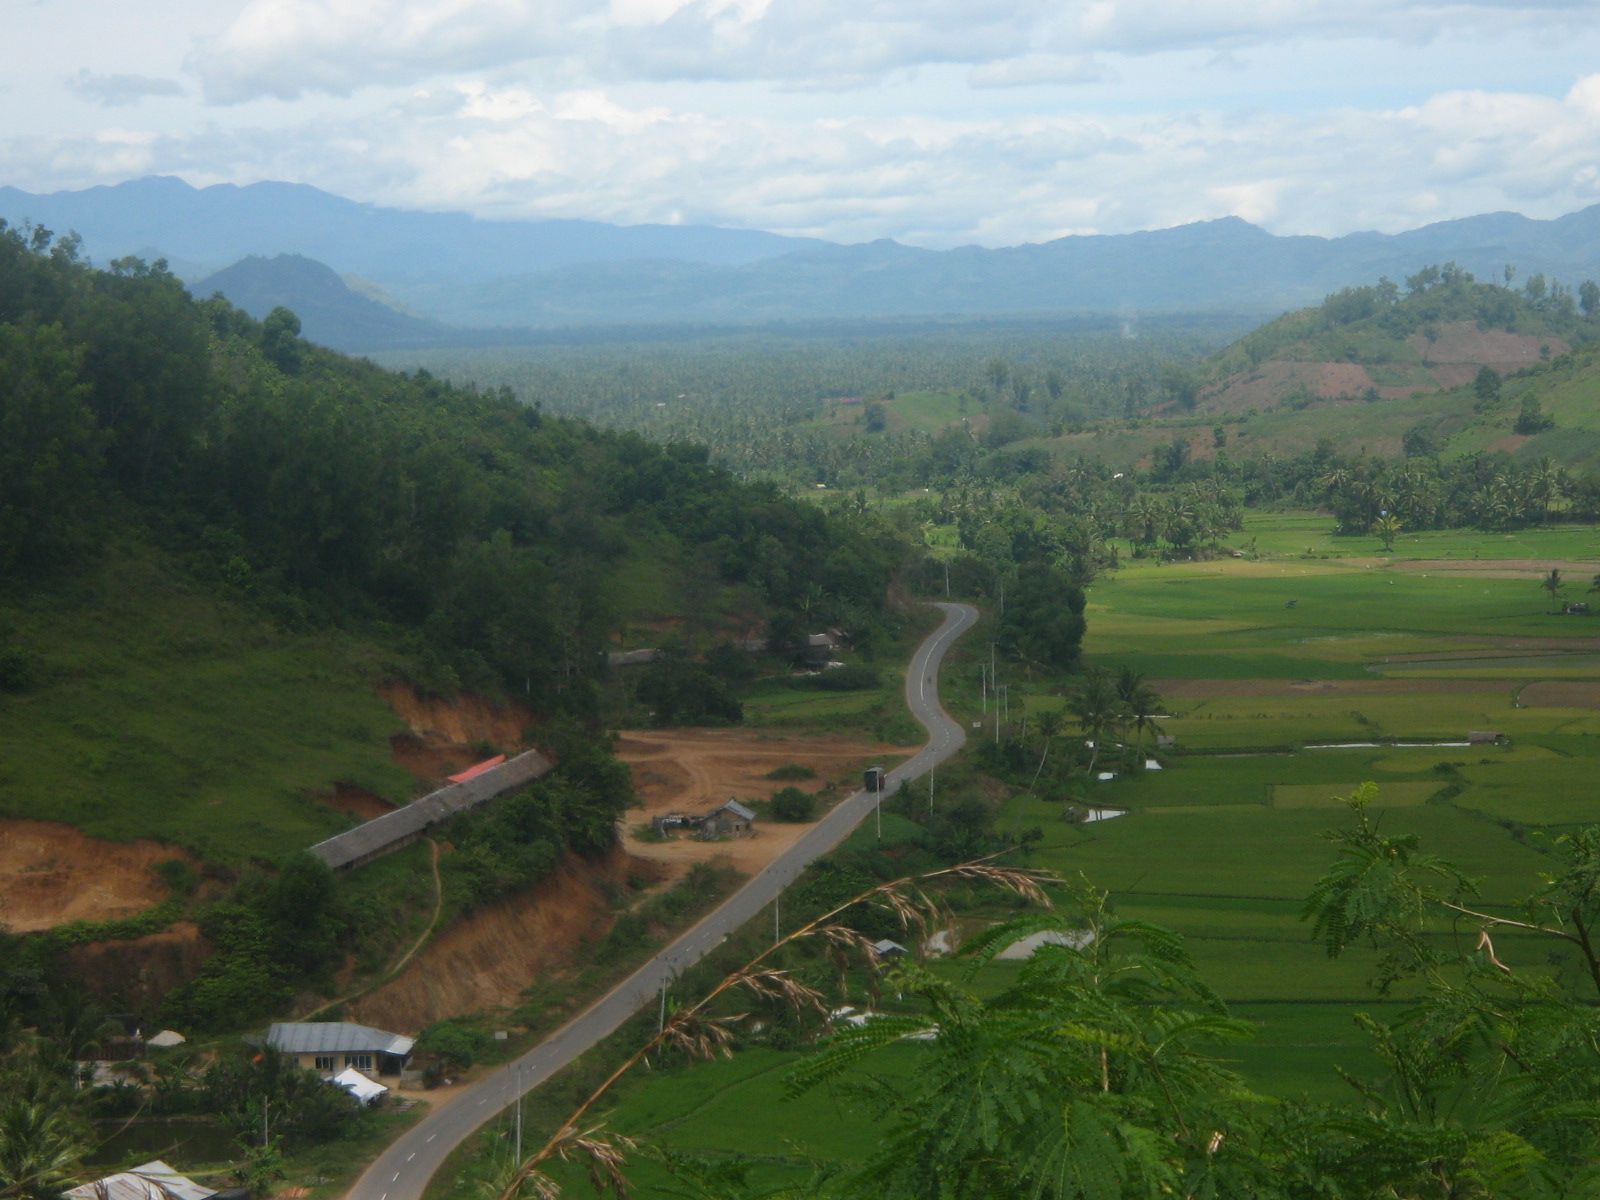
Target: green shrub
[(792, 805), (181, 878), (453, 1044), (852, 678), (792, 771), (17, 671)]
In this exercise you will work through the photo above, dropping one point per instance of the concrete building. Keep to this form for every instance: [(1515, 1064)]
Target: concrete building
[(329, 1047)]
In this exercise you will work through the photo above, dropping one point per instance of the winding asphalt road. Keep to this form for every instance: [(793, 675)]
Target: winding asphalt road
[(403, 1170)]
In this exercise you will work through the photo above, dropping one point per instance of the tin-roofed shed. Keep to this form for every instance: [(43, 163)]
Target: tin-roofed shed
[(388, 833), (148, 1181)]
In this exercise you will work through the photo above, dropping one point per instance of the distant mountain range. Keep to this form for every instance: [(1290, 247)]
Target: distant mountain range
[(205, 229), (449, 269)]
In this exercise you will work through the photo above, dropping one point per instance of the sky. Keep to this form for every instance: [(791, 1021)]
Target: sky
[(937, 123)]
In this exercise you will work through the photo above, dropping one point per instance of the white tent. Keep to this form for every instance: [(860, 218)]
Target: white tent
[(167, 1037), (359, 1086)]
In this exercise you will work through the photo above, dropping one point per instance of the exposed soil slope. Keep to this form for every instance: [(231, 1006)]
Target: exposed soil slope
[(442, 733), (135, 976), (488, 958), (1450, 358), (51, 874)]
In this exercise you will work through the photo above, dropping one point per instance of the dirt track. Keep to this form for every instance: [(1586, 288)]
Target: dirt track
[(694, 770), (51, 874)]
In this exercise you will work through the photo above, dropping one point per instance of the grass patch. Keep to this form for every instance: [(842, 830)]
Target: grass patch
[(165, 712)]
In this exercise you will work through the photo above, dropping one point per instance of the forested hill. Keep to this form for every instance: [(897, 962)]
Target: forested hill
[(507, 548)]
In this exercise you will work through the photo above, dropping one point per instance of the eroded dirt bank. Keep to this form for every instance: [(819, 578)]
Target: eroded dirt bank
[(134, 976), (51, 874), (446, 735), (487, 959)]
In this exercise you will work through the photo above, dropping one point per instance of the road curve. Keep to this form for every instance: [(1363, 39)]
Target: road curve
[(404, 1169)]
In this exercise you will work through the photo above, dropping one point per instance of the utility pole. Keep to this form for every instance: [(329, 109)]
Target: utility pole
[(947, 579), (661, 1021), (776, 937), (930, 791), (519, 1113), (877, 811)]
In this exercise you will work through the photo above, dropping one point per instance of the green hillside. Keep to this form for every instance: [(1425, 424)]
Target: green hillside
[(218, 542)]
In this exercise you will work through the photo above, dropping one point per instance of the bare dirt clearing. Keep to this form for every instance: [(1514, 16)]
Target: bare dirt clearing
[(1554, 693), (51, 874), (695, 770)]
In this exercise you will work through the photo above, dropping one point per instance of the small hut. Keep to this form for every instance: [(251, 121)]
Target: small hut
[(731, 820)]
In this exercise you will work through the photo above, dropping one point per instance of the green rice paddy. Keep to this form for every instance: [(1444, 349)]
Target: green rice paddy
[(1224, 842)]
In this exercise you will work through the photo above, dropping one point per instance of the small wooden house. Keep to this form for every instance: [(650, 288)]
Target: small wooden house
[(1487, 737), (731, 820)]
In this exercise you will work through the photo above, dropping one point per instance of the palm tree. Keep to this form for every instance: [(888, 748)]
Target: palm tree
[(1098, 707), (41, 1146), (1140, 702), (1048, 724), (1553, 584), (1387, 527)]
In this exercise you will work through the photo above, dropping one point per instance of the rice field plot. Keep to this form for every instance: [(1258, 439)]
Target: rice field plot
[(1256, 722), (1555, 791), (1292, 533), (1331, 796)]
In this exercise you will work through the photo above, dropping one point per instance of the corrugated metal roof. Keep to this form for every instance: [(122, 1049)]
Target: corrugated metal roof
[(371, 837), (151, 1181), (734, 806), (335, 1037)]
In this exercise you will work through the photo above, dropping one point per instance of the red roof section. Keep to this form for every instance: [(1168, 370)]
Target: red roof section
[(477, 769)]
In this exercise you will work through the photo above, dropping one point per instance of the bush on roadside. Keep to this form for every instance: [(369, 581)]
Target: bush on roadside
[(792, 805)]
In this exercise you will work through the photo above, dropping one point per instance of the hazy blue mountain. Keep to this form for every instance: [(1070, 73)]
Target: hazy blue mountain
[(1224, 265), (330, 313), (222, 224), (466, 272)]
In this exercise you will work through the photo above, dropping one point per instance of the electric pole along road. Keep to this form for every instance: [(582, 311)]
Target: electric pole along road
[(403, 1170)]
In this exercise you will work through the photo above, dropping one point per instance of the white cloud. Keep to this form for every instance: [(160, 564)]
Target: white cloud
[(1038, 68), (936, 181), (285, 48), (118, 91)]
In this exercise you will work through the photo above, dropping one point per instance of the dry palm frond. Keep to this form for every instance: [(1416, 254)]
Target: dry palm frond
[(913, 907), (773, 984), (843, 938), (703, 1036), (603, 1155), (1025, 883), (699, 1035)]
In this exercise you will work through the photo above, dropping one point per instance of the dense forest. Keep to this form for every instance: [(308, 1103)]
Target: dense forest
[(477, 529)]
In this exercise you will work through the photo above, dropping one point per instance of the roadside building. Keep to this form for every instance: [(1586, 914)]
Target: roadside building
[(329, 1047), (731, 820)]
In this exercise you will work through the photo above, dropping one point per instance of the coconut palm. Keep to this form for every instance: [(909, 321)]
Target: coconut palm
[(1098, 707), (1140, 702), (1048, 724)]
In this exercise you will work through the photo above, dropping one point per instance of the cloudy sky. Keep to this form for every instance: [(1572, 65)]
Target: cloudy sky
[(936, 122)]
